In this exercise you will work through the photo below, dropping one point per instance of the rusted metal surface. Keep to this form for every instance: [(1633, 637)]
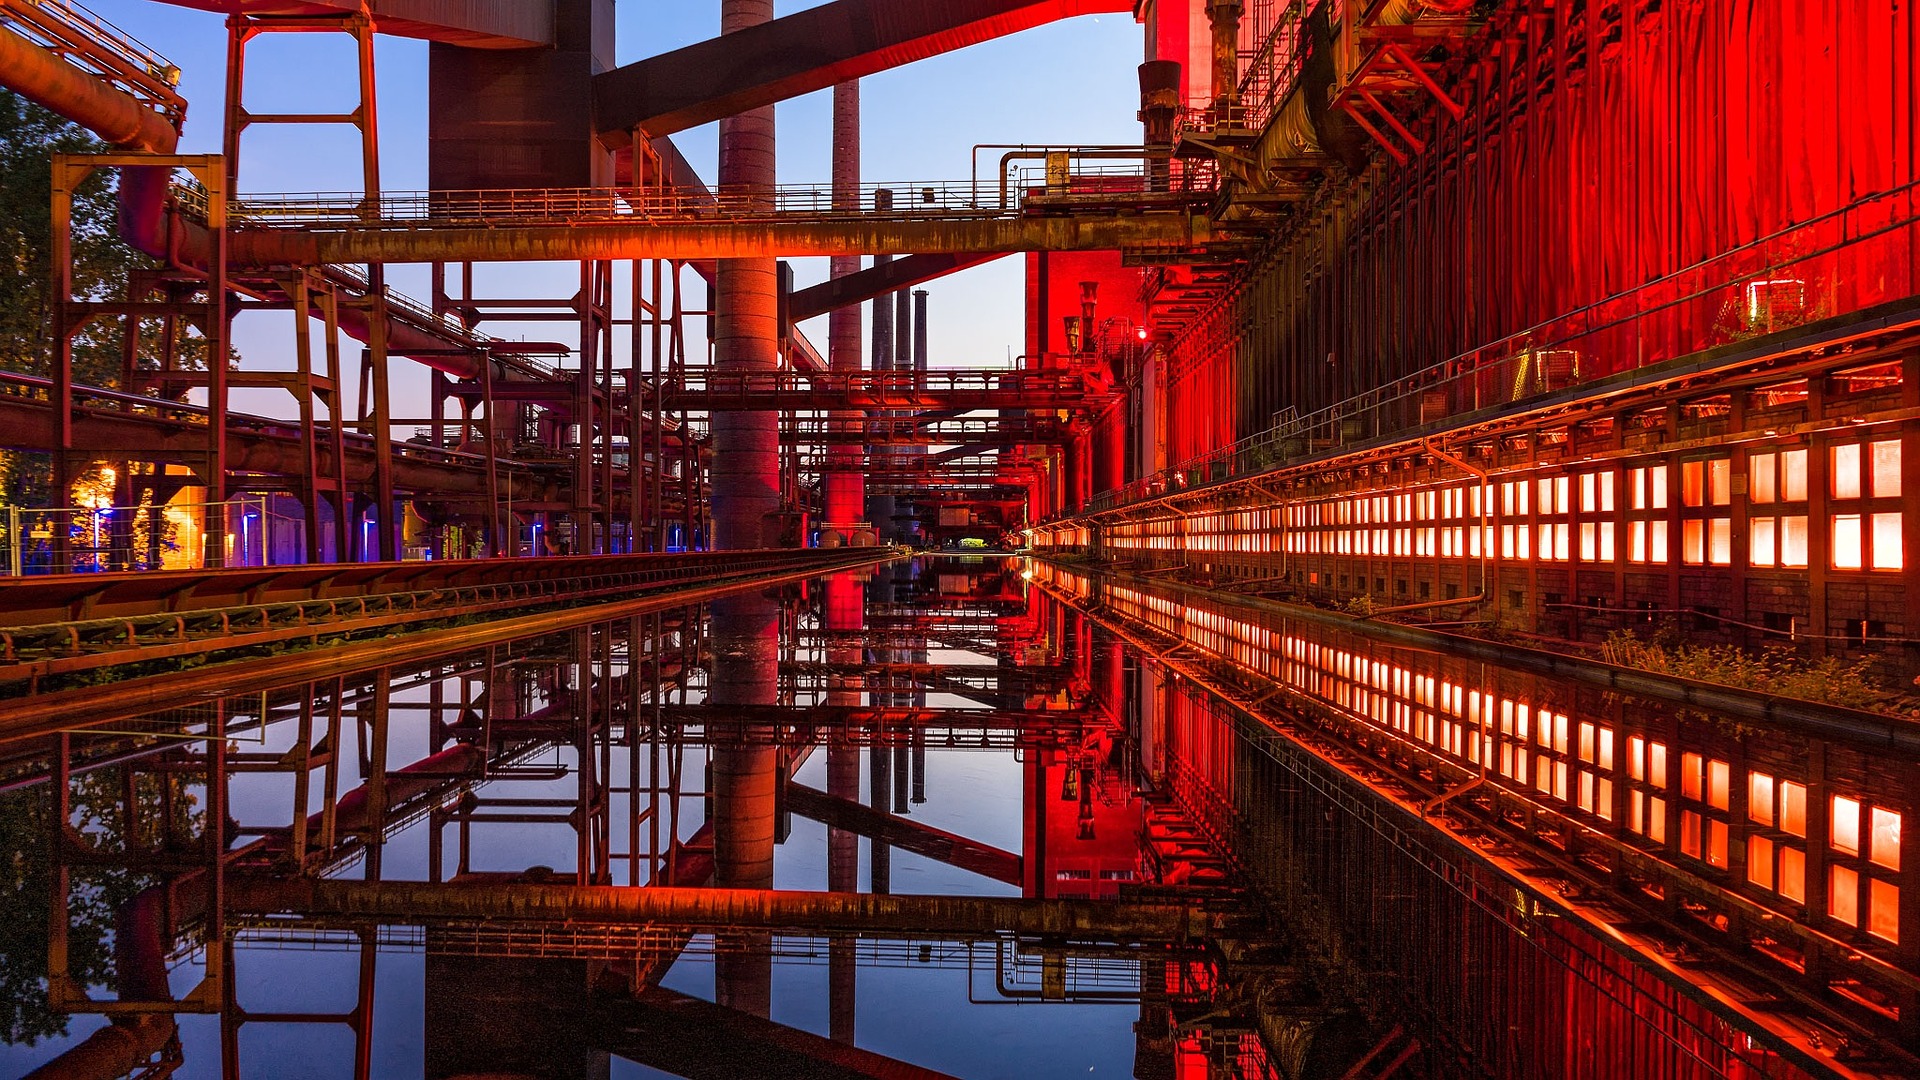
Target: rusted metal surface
[(1094, 230), (57, 82), (803, 52), (475, 24), (963, 917)]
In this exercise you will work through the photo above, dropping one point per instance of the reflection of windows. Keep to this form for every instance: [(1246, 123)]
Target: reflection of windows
[(1706, 538), (1778, 809), (1865, 840)]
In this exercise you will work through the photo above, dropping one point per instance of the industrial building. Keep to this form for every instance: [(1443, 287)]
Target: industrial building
[(1432, 597)]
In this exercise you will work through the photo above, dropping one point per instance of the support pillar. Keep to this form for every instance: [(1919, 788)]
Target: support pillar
[(746, 514)]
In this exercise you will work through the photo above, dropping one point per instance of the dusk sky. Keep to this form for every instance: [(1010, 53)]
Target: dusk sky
[(1069, 83)]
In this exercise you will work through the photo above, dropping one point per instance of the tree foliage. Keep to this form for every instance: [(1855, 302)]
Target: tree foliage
[(29, 137)]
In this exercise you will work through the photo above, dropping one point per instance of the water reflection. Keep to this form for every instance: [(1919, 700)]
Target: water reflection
[(556, 857)]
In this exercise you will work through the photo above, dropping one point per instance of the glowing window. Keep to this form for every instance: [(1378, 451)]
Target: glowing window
[(1884, 841), (1760, 473), (1719, 541), (1793, 541), (1843, 894), (1793, 476), (1846, 471), (1716, 844), (1690, 833), (1883, 910), (1846, 825), (1586, 742), (1693, 483), (1606, 748), (1760, 542), (1692, 775), (1793, 874), (1657, 820), (1760, 798), (1657, 764), (1887, 541), (1636, 757), (1886, 469), (1720, 481), (1760, 861), (1718, 778), (1793, 808), (1846, 541), (1693, 541)]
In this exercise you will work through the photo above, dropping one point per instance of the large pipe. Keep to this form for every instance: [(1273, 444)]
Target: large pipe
[(415, 902), (718, 239)]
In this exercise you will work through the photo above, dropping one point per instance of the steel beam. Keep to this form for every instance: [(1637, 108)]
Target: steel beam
[(962, 917), (858, 288), (904, 833), (699, 1040), (687, 240), (803, 52), (476, 24)]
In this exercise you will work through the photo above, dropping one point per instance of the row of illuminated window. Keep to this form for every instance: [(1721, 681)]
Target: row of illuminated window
[(1859, 537), (1574, 763)]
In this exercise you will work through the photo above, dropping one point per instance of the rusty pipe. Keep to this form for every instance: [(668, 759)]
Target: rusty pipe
[(685, 241), (45, 79), (754, 909)]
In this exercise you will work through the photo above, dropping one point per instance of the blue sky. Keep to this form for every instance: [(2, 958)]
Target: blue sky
[(1069, 83)]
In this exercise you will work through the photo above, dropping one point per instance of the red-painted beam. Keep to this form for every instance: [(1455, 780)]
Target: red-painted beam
[(904, 833), (697, 1039), (803, 52), (879, 280), (476, 24)]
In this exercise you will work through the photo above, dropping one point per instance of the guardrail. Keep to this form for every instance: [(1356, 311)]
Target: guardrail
[(936, 200)]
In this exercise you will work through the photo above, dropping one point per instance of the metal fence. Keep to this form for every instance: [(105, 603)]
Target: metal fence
[(152, 536)]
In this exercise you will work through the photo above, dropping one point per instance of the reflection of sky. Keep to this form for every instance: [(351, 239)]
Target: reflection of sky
[(1072, 83)]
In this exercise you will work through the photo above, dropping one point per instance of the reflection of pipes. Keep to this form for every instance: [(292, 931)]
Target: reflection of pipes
[(140, 964), (415, 902)]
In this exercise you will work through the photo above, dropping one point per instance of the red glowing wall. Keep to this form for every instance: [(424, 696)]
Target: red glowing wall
[(1623, 174)]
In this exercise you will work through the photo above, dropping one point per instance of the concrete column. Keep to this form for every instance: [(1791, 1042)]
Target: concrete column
[(846, 487), (746, 446)]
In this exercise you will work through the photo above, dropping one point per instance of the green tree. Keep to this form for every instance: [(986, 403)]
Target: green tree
[(26, 884), (29, 137)]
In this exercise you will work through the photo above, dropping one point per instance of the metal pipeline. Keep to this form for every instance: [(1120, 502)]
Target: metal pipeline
[(747, 909)]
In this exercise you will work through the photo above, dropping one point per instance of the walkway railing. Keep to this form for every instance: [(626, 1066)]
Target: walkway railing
[(936, 200), (99, 48)]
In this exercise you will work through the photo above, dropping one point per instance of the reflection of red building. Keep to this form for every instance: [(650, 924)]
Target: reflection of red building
[(1083, 823)]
